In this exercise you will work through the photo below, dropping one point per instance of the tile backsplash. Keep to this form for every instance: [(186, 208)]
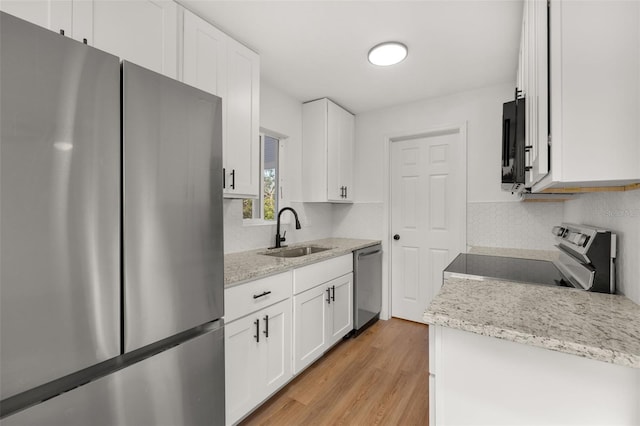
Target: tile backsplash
[(316, 220), (517, 225)]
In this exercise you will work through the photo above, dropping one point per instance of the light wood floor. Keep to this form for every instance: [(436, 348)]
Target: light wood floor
[(379, 378)]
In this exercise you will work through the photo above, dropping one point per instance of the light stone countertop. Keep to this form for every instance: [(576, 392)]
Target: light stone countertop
[(250, 265), (604, 327)]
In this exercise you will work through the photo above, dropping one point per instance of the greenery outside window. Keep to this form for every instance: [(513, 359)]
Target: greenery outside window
[(265, 208)]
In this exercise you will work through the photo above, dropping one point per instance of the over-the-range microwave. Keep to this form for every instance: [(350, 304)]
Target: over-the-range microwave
[(513, 145)]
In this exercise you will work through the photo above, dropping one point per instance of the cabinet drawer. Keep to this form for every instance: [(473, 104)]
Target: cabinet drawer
[(310, 276), (246, 298)]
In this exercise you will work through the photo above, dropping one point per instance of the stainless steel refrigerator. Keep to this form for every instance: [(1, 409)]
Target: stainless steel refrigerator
[(111, 250)]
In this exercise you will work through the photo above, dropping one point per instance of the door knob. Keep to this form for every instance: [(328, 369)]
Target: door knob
[(396, 237)]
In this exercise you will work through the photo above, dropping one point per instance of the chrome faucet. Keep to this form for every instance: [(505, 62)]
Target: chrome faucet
[(280, 239)]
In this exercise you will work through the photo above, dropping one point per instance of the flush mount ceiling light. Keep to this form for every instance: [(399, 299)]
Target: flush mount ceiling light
[(388, 53)]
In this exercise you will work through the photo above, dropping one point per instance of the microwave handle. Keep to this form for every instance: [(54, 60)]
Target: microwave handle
[(506, 130)]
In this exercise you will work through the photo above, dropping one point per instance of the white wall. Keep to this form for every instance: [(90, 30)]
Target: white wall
[(619, 212), (281, 114), (488, 220), (481, 109)]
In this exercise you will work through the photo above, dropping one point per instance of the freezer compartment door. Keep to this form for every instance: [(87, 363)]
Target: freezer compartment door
[(183, 385), (173, 249), (60, 206)]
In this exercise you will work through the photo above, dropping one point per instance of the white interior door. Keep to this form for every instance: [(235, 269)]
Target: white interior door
[(428, 217)]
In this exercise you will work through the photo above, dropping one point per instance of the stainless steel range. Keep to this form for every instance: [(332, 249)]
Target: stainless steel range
[(587, 257), (586, 261)]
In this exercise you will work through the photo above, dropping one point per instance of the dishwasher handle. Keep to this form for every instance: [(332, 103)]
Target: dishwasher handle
[(371, 253)]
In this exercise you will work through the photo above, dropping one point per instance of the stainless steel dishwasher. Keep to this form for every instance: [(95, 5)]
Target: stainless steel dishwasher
[(367, 286)]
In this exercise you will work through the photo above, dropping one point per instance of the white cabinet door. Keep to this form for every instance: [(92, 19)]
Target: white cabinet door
[(335, 186), (347, 145), (341, 308), (309, 326), (241, 147), (340, 142), (142, 31), (51, 14), (204, 62), (536, 83), (275, 354), (241, 349), (258, 358)]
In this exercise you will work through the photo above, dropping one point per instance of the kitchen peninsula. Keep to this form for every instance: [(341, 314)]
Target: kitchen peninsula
[(514, 353)]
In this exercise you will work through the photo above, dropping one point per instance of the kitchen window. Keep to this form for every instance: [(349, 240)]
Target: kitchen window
[(265, 208)]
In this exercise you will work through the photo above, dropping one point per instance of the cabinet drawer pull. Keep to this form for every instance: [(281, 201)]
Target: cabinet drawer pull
[(346, 188), (329, 295), (224, 178), (257, 335), (257, 296), (266, 326), (333, 293), (233, 179)]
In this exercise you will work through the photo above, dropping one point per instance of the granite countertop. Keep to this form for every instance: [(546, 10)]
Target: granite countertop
[(603, 327), (250, 265)]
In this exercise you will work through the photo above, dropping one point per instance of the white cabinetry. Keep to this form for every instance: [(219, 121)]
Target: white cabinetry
[(242, 144), (533, 86), (482, 380), (594, 92), (144, 31), (214, 62), (50, 14), (258, 344), (322, 308), (327, 152), (204, 61)]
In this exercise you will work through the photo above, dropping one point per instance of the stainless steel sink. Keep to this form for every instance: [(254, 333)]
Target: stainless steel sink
[(297, 251)]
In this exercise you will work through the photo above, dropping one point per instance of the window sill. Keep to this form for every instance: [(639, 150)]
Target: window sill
[(259, 222)]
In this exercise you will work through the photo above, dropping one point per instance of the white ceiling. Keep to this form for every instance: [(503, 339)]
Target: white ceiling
[(313, 49)]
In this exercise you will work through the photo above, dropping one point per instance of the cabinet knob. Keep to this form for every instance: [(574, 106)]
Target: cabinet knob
[(396, 237)]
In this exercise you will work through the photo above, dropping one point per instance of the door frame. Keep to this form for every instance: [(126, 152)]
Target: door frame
[(460, 128)]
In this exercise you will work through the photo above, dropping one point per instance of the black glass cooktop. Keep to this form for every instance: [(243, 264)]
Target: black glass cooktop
[(507, 269)]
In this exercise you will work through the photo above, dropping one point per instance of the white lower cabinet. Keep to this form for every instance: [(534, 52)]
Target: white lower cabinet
[(481, 380), (259, 350), (258, 358), (257, 342), (340, 309), (322, 316), (310, 326)]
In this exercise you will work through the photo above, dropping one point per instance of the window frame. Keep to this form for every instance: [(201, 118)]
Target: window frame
[(257, 221)]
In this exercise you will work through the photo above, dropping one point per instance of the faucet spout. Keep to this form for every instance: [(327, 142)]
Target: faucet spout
[(280, 239)]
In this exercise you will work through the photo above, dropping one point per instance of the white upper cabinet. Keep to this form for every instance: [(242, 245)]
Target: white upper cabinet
[(50, 14), (327, 152), (214, 62), (143, 31), (533, 86), (241, 147), (204, 61), (594, 87)]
